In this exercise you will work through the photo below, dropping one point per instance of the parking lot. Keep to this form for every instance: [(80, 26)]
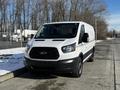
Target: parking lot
[(102, 74)]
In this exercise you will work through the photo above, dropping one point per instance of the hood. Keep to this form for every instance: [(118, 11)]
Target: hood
[(52, 42)]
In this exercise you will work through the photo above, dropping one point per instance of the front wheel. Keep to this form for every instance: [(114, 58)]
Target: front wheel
[(77, 71)]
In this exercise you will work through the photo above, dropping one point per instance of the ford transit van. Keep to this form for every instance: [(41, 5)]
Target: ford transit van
[(63, 46)]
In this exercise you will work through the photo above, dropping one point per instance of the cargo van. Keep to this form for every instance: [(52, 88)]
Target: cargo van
[(61, 46)]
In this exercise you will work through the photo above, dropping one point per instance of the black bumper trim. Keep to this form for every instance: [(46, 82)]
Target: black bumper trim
[(61, 65)]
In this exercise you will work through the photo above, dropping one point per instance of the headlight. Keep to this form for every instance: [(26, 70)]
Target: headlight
[(27, 48), (69, 48)]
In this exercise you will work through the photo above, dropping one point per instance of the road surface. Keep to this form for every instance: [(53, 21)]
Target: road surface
[(102, 74)]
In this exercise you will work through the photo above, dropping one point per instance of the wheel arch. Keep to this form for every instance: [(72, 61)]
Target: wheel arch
[(94, 48), (81, 56)]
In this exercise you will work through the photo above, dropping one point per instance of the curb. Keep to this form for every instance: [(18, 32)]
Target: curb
[(12, 74)]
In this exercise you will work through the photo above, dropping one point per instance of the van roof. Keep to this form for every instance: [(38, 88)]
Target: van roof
[(65, 22)]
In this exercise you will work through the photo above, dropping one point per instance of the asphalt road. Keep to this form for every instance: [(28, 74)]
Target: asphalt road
[(102, 74), (116, 58)]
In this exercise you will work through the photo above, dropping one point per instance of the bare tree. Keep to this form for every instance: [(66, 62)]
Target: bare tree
[(58, 10), (29, 14), (3, 13)]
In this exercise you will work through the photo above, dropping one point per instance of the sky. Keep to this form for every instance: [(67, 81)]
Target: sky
[(113, 7)]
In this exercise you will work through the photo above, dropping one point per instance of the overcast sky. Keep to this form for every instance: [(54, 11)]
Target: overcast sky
[(114, 10)]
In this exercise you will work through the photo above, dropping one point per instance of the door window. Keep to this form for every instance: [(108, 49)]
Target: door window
[(82, 31)]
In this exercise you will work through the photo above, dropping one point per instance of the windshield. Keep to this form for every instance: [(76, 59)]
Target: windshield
[(67, 30)]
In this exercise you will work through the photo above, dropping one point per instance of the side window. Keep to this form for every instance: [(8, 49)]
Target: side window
[(82, 31)]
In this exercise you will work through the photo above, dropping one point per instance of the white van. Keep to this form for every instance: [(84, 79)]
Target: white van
[(63, 46)]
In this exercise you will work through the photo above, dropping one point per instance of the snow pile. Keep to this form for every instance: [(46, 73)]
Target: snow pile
[(97, 41), (109, 38), (11, 60)]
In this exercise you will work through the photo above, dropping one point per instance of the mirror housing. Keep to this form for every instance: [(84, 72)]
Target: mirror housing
[(31, 36), (85, 37)]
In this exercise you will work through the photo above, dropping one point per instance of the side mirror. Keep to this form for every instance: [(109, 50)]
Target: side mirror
[(31, 36), (85, 37)]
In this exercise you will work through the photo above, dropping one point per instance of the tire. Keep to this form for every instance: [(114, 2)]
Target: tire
[(77, 71)]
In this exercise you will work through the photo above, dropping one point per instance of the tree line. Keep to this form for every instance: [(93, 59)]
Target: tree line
[(30, 14)]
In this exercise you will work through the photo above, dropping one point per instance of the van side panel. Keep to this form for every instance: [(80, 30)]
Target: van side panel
[(87, 48), (90, 30)]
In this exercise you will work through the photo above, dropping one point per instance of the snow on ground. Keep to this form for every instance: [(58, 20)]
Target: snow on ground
[(109, 38), (97, 41), (11, 60)]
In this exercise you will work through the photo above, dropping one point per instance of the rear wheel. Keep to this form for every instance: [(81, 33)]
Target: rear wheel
[(77, 71), (91, 59)]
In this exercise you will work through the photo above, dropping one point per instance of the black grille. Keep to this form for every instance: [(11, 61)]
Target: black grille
[(44, 53)]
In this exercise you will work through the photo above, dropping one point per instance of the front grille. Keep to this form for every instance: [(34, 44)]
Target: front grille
[(44, 53)]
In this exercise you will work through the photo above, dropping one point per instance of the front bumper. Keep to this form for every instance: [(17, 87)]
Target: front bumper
[(61, 65)]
